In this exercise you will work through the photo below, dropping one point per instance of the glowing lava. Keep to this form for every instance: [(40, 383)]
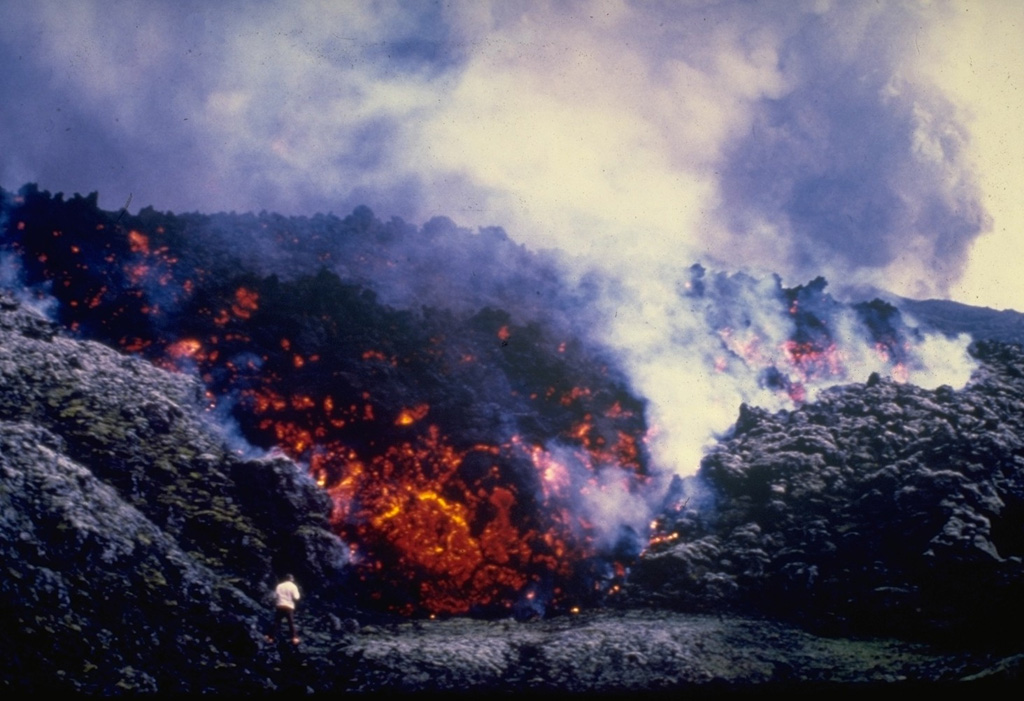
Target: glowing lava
[(461, 450)]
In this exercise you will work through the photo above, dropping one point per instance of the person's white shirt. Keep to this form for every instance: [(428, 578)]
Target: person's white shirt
[(287, 594)]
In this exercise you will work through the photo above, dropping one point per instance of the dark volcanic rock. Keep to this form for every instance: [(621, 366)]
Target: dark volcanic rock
[(137, 550), (627, 652), (92, 587), (880, 507)]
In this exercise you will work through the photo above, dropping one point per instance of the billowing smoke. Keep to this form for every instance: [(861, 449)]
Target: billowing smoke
[(12, 279), (614, 144), (798, 139), (871, 183), (698, 344), (802, 138)]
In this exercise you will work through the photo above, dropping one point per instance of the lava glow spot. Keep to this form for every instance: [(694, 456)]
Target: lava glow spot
[(900, 373), (138, 242), (246, 302), (407, 417), (185, 348)]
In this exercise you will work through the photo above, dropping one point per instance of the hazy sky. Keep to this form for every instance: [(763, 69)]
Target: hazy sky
[(871, 142)]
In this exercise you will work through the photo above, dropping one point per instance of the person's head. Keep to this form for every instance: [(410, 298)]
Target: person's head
[(289, 578)]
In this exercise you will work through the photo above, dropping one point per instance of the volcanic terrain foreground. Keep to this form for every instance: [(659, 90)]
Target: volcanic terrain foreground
[(881, 507), (137, 550), (645, 650)]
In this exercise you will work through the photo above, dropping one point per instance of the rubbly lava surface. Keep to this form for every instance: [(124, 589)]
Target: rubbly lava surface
[(458, 447), (439, 384)]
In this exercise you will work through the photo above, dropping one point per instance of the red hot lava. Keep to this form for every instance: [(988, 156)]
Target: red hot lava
[(428, 430), (462, 450)]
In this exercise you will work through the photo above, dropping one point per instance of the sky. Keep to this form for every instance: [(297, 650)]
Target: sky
[(879, 144), (876, 143)]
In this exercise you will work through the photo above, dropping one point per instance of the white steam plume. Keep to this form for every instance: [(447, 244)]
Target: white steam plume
[(696, 346)]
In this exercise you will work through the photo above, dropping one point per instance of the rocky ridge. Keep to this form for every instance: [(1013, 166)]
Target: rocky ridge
[(137, 548), (881, 507)]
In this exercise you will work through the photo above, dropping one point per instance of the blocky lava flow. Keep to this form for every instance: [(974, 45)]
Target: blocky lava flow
[(427, 428), (465, 447)]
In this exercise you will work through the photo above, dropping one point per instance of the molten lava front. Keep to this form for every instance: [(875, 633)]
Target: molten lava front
[(440, 529), (453, 533), (466, 453), (405, 419)]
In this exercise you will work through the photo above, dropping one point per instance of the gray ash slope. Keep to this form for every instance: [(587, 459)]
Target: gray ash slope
[(981, 323)]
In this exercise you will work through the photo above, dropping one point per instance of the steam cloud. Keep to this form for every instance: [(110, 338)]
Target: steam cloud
[(788, 135), (637, 138), (700, 344)]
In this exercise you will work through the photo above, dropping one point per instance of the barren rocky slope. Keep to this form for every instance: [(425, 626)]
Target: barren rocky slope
[(138, 549), (880, 507)]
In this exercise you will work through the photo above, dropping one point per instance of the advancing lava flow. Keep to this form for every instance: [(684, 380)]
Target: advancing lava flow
[(468, 456), (483, 453)]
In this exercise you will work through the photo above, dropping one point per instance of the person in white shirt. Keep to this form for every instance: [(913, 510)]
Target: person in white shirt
[(286, 594)]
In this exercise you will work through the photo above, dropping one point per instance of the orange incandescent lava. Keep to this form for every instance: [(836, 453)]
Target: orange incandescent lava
[(444, 511)]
